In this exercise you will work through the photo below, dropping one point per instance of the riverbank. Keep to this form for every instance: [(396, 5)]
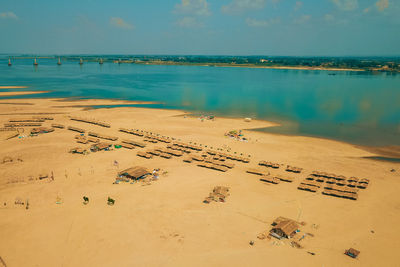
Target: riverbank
[(166, 222), (171, 63)]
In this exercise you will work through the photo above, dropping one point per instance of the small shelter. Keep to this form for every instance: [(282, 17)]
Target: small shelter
[(78, 150), (41, 130), (218, 194), (134, 173), (284, 229), (100, 146), (352, 252)]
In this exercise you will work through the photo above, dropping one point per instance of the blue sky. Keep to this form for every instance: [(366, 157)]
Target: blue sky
[(223, 27)]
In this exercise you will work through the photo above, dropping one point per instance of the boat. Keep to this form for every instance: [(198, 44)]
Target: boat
[(101, 61), (35, 62), (9, 62), (80, 61), (59, 61), (119, 61)]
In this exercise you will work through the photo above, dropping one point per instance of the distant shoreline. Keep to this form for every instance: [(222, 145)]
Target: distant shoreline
[(241, 66)]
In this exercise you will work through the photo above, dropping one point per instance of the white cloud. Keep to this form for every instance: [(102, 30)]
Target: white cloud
[(193, 7), (366, 10), (329, 17), (8, 15), (242, 5), (298, 5), (302, 19), (382, 4), (346, 5), (120, 23), (261, 23), (189, 22)]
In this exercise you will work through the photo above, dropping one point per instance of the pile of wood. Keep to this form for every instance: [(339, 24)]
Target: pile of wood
[(257, 171), (125, 145), (228, 156), (41, 130), (293, 169), (179, 148), (171, 152), (131, 131), (270, 179), (95, 122), (75, 129), (85, 139), (26, 120), (285, 178), (56, 125), (134, 143), (308, 186), (218, 194), (78, 150), (144, 155), (100, 146), (22, 124), (269, 164), (213, 166), (102, 136)]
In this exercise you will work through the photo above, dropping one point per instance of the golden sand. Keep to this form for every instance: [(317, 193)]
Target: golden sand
[(12, 87), (21, 92), (166, 223)]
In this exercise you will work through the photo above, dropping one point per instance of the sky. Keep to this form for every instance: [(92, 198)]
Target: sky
[(202, 27)]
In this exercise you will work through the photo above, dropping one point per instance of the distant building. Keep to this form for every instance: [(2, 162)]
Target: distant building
[(263, 60)]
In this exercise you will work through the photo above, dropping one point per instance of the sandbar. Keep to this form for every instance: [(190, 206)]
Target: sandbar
[(165, 222)]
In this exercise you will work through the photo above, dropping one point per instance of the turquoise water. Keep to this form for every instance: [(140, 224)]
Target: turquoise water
[(356, 107)]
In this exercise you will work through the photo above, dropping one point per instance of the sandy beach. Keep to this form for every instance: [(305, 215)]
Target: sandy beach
[(21, 93), (12, 87), (165, 222)]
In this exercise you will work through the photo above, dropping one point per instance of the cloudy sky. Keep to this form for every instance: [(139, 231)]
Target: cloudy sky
[(223, 27)]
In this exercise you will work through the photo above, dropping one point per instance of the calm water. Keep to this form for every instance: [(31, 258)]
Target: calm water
[(360, 108)]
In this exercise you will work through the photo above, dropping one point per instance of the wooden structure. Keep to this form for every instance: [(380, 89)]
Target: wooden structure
[(293, 169), (75, 129), (23, 124), (269, 164), (41, 130), (56, 125), (134, 173), (270, 179), (103, 136), (78, 150), (284, 229), (95, 122), (144, 155), (352, 252), (218, 194), (257, 171), (134, 143), (100, 146)]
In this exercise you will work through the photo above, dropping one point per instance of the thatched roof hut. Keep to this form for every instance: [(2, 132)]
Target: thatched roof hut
[(284, 229), (100, 146), (135, 173)]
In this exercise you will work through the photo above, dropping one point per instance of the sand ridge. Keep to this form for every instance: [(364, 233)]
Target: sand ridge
[(166, 223)]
